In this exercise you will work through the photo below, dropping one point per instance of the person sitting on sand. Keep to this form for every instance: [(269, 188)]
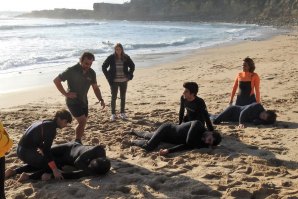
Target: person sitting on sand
[(34, 148), (187, 135), (87, 160), (195, 106), (252, 113), (249, 85)]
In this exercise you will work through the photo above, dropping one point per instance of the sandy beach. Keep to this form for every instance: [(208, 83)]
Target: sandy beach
[(255, 162)]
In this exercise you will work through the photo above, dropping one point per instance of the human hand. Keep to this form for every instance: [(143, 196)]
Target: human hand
[(39, 150), (57, 174), (163, 152), (241, 126), (71, 95), (102, 103)]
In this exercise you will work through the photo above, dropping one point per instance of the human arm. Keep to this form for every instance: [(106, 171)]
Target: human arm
[(234, 90), (48, 133), (57, 82), (247, 113), (181, 110), (256, 81), (131, 66), (82, 162), (106, 64), (206, 117), (98, 95)]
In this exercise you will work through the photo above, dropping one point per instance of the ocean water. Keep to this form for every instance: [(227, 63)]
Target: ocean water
[(34, 51)]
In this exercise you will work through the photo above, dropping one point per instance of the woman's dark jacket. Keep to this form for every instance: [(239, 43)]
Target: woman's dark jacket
[(109, 67)]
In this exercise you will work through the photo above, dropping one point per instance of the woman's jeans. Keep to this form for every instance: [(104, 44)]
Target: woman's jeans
[(114, 91)]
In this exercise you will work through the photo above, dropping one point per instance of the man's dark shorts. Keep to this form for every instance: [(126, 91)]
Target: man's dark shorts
[(78, 110)]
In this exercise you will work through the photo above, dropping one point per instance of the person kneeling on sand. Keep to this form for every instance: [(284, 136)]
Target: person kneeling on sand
[(252, 113), (187, 135), (34, 148), (87, 161)]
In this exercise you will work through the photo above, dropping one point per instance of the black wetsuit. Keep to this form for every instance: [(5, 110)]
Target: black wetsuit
[(242, 114), (195, 110), (187, 135), (71, 154), (39, 135)]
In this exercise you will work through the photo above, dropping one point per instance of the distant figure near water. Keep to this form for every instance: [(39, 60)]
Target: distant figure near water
[(249, 85), (79, 79), (118, 68)]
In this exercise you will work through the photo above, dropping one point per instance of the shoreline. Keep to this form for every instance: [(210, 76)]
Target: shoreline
[(33, 78)]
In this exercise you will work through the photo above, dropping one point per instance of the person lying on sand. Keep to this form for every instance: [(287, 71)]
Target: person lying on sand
[(87, 160), (187, 135), (252, 113)]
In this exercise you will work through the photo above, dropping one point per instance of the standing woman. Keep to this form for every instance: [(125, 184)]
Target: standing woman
[(249, 84), (118, 69), (5, 145), (34, 147)]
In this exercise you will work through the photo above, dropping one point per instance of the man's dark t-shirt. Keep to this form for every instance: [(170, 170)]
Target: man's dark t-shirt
[(79, 83)]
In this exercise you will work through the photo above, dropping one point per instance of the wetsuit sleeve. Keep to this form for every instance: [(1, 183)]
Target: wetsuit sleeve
[(207, 118), (131, 66), (234, 89), (84, 159), (105, 66), (246, 112), (181, 110), (195, 134), (257, 87), (48, 137)]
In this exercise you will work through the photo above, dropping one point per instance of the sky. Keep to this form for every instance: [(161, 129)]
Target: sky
[(29, 5)]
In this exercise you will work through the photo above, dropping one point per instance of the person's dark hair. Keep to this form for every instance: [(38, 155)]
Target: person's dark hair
[(100, 166), (216, 138), (271, 119), (192, 87), (250, 63), (87, 55), (63, 115)]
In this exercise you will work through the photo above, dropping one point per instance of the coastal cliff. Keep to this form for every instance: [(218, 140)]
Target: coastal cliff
[(275, 12)]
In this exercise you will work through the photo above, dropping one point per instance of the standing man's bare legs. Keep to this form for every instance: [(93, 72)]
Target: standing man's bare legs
[(82, 120)]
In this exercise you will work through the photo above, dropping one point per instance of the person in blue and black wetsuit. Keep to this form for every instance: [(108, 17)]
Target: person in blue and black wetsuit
[(86, 160), (34, 148), (252, 113)]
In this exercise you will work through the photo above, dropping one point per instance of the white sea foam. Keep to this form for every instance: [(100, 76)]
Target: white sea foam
[(30, 44)]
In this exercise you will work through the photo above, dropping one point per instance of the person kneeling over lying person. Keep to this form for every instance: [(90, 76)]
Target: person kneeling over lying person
[(187, 135), (87, 160)]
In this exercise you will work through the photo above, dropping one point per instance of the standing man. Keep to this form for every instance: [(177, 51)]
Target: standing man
[(79, 79)]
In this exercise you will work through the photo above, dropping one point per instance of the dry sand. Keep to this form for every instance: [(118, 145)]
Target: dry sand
[(255, 162)]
